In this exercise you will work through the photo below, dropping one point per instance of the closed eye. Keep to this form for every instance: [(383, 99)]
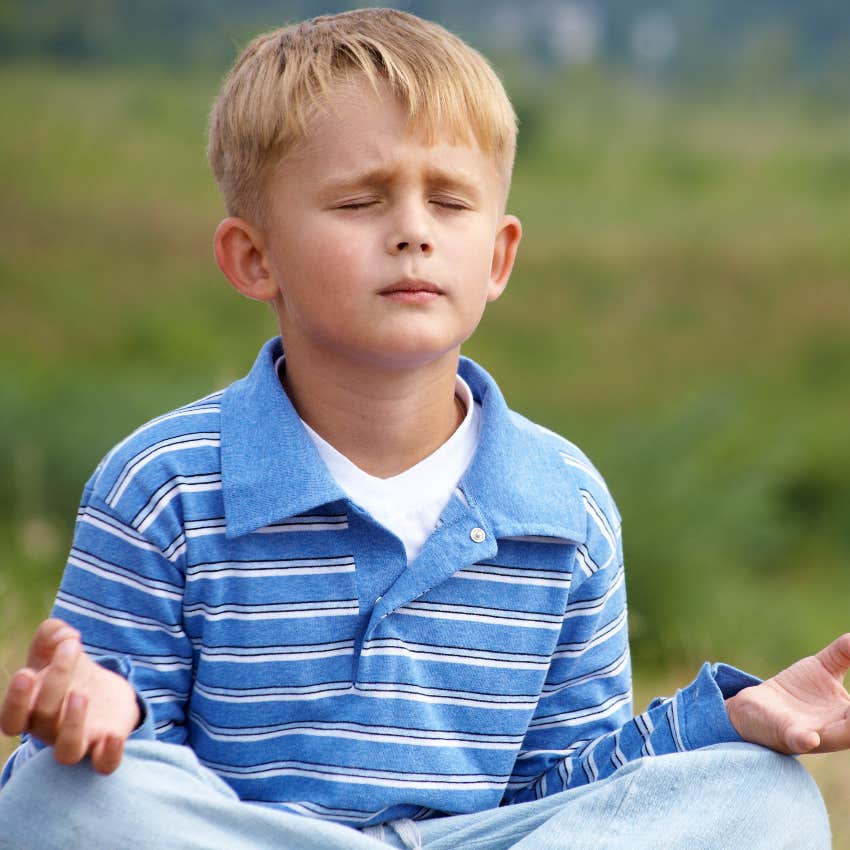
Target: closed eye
[(450, 204), (356, 205)]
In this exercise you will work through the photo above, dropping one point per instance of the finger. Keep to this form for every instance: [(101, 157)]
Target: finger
[(800, 740), (107, 754), (46, 711), (15, 709), (47, 638), (70, 745), (836, 657), (835, 737)]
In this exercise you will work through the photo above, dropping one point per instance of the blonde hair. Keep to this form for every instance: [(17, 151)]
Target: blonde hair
[(283, 77)]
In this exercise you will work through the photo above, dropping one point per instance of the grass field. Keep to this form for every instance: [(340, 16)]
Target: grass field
[(680, 309)]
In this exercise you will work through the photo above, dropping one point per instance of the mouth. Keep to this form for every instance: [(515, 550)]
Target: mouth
[(412, 287)]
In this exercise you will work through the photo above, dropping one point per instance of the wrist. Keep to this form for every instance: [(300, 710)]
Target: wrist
[(134, 708), (743, 712), (732, 708), (140, 712)]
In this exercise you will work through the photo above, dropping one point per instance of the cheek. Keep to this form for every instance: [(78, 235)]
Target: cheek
[(472, 246), (478, 264), (314, 262), (337, 254)]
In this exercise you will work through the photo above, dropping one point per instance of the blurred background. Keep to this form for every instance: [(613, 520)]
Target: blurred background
[(680, 307)]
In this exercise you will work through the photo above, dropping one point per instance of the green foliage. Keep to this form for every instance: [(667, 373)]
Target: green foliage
[(769, 42), (680, 310)]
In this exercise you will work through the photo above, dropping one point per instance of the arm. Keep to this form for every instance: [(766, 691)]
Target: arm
[(582, 729), (124, 597)]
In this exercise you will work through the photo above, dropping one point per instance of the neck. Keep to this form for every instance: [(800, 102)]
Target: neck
[(383, 421)]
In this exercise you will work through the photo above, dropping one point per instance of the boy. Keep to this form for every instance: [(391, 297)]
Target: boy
[(354, 588)]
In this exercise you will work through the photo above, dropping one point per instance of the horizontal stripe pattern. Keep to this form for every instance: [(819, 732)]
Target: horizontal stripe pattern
[(293, 768), (360, 731), (479, 614), (278, 611), (502, 675), (269, 569), (466, 656)]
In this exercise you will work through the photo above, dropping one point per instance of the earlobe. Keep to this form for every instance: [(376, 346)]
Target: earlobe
[(241, 255), (504, 253)]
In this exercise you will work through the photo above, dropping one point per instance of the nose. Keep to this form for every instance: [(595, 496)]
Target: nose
[(422, 247), (410, 234), (415, 246)]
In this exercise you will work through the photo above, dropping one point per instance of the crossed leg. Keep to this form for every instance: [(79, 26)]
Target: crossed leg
[(729, 796)]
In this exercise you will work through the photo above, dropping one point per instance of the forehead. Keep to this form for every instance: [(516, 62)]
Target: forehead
[(359, 128)]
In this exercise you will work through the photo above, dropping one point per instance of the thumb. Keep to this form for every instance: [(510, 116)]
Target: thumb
[(47, 638), (800, 740), (836, 657)]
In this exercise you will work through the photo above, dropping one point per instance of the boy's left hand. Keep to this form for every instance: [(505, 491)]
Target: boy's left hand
[(803, 709)]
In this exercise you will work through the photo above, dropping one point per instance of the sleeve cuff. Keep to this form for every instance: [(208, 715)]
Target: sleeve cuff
[(702, 705)]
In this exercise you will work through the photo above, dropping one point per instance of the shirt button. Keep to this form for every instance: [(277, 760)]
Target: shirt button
[(378, 599), (478, 535)]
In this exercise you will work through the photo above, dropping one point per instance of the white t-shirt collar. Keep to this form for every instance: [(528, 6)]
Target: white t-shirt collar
[(409, 504)]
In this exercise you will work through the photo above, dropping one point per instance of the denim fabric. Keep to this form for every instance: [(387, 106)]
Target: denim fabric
[(726, 796)]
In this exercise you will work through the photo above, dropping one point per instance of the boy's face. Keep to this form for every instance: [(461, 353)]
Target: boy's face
[(383, 249)]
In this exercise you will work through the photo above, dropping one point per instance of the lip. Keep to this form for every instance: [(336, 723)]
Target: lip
[(412, 291), (412, 286)]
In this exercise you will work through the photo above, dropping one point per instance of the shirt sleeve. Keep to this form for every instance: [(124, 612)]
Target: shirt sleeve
[(583, 729), (125, 596)]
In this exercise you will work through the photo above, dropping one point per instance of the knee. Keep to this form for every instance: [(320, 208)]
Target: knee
[(772, 797), (46, 803), (38, 803), (735, 795), (40, 781)]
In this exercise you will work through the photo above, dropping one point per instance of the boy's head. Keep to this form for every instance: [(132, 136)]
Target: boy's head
[(365, 160), (447, 90)]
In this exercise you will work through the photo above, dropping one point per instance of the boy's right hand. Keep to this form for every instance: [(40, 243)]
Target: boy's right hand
[(64, 698)]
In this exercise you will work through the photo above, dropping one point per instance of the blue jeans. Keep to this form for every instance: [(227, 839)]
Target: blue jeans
[(161, 798)]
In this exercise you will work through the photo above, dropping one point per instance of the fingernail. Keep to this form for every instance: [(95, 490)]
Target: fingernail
[(19, 683), (67, 648), (76, 702)]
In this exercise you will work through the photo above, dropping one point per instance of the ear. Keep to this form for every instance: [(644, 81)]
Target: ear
[(240, 252), (508, 236)]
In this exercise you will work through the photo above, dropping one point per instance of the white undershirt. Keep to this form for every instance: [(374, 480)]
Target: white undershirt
[(409, 504)]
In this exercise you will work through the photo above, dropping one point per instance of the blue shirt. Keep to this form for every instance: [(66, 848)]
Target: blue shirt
[(273, 626)]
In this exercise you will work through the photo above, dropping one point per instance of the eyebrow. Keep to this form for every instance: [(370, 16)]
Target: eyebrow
[(452, 178)]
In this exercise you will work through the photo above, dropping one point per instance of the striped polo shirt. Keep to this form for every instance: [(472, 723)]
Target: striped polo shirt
[(276, 628)]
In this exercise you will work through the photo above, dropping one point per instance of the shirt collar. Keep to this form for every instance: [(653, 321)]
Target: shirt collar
[(518, 478), (271, 470)]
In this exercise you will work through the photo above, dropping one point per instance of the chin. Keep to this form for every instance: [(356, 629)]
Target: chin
[(410, 357)]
